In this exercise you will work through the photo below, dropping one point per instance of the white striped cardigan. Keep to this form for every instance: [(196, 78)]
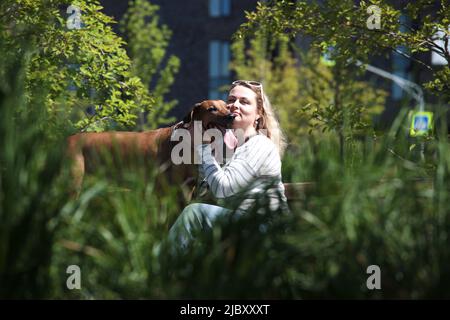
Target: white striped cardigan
[(246, 175)]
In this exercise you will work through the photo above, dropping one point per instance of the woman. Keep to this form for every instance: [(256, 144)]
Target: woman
[(255, 166)]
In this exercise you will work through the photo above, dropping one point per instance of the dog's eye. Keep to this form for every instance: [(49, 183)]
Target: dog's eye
[(212, 109)]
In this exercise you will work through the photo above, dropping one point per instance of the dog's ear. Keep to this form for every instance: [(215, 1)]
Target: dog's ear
[(188, 117)]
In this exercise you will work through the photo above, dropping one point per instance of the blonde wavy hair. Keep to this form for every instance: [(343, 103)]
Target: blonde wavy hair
[(268, 121)]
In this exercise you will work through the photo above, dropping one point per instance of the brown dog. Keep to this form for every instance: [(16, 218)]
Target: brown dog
[(150, 148)]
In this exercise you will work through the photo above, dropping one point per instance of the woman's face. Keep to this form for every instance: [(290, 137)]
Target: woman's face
[(242, 104)]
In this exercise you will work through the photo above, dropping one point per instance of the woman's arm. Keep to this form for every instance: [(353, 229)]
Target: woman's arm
[(241, 171)]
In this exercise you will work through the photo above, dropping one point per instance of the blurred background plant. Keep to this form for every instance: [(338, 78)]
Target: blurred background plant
[(343, 24), (147, 44), (31, 185), (310, 96), (84, 69)]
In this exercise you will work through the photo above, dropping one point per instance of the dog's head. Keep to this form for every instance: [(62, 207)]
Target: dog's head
[(212, 114)]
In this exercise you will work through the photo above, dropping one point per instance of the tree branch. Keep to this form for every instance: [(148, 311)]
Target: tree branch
[(412, 58)]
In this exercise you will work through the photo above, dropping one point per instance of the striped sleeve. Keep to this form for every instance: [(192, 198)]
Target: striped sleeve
[(239, 173)]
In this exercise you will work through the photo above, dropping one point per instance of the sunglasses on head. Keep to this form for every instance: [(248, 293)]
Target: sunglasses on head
[(252, 84), (247, 82)]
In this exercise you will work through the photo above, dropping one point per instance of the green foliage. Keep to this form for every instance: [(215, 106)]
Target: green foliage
[(383, 211), (90, 59), (344, 24), (32, 187), (334, 100), (147, 44), (278, 72), (111, 233), (308, 95)]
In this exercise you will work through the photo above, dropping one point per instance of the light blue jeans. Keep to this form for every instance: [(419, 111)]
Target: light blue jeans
[(195, 217)]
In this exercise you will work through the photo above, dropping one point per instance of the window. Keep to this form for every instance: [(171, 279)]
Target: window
[(219, 73), (219, 8)]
